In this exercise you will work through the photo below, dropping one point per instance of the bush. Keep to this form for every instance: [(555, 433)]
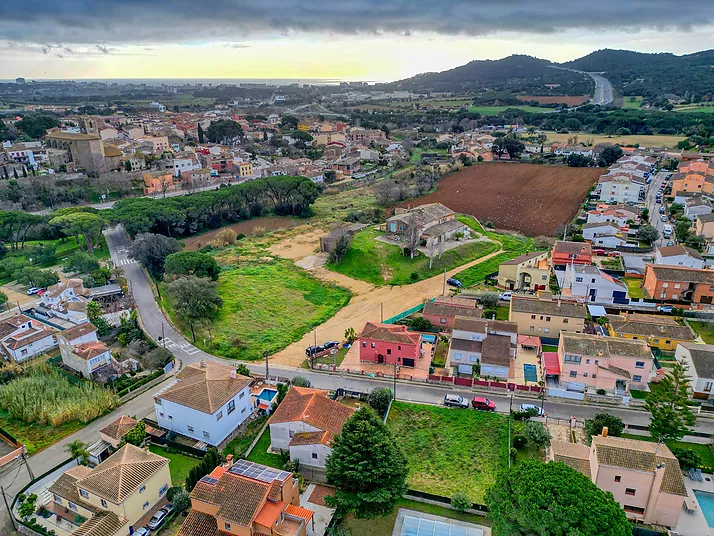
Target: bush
[(461, 502), (414, 276), (243, 370), (594, 426), (519, 441), (223, 238), (300, 381), (688, 458), (379, 399), (489, 299), (173, 490), (513, 453), (182, 502), (490, 313), (419, 323), (601, 391), (537, 434), (489, 224)]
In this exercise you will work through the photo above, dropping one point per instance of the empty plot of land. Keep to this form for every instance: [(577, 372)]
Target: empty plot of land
[(654, 140), (550, 99), (528, 198), (247, 227)]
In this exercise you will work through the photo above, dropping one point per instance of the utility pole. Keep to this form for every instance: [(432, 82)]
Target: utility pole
[(394, 394), (381, 312), (163, 337), (29, 471), (267, 369), (510, 419), (12, 517)]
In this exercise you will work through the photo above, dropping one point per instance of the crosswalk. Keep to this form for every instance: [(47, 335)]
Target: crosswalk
[(184, 347), (124, 262)]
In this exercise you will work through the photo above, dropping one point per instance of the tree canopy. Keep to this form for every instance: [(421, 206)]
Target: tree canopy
[(671, 416), (224, 131), (151, 250), (36, 125), (597, 422), (192, 263), (194, 298), (551, 499), (86, 224)]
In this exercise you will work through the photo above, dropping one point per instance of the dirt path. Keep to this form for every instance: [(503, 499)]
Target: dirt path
[(365, 308)]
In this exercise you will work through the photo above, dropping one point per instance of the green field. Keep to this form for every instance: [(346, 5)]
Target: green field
[(37, 437), (694, 109), (495, 110), (634, 287), (643, 140), (379, 263), (632, 103), (268, 303), (450, 450), (179, 464), (260, 453)]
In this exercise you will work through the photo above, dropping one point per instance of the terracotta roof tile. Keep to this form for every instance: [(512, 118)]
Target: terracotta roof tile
[(103, 524), (390, 333), (574, 455), (119, 427), (548, 307), (238, 499), (77, 331), (66, 487), (199, 524)]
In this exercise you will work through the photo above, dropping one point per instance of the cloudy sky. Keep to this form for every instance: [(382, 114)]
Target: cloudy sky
[(347, 40)]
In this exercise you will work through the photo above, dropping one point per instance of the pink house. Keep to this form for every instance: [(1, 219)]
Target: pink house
[(644, 477), (442, 312), (389, 344)]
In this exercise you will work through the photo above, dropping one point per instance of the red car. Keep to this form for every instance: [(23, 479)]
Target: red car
[(598, 252), (485, 404)]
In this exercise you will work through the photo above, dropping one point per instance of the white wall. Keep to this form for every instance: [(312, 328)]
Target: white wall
[(282, 432), (304, 454), (679, 260), (33, 349), (494, 370)]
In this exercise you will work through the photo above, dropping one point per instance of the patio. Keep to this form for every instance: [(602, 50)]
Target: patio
[(694, 523)]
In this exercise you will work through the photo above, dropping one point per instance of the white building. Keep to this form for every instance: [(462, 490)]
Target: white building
[(699, 358), (22, 338), (488, 343), (65, 300), (617, 214), (82, 351), (696, 206), (207, 402), (603, 234), (621, 187), (591, 284), (679, 255), (305, 424)]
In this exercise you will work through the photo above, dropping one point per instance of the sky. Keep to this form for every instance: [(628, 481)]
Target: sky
[(372, 40)]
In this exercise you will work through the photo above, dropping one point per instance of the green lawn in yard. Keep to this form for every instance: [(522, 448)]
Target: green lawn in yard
[(384, 525), (260, 453), (37, 437), (268, 304), (502, 312), (450, 450), (179, 464), (634, 287), (331, 360), (550, 348), (705, 453), (632, 103), (239, 444), (704, 329), (442, 351), (378, 263), (495, 110)]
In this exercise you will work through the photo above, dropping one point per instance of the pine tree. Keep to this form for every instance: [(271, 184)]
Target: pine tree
[(200, 133), (671, 416)]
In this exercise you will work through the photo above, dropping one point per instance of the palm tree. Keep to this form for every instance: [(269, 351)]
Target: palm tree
[(78, 450)]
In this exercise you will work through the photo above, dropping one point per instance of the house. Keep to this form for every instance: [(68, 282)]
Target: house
[(617, 214), (442, 312), (679, 255), (644, 477), (305, 424), (389, 344), (704, 225), (699, 359), (434, 223), (159, 182), (82, 351), (525, 272), (207, 402), (661, 332), (347, 165), (615, 365), (592, 284), (693, 177), (159, 144), (66, 300), (22, 337), (247, 499), (679, 283), (605, 234), (621, 187), (489, 344), (565, 253), (114, 495), (547, 317), (696, 206)]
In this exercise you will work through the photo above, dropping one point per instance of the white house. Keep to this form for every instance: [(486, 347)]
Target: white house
[(696, 206), (621, 187), (488, 343), (22, 338), (65, 300), (700, 360), (207, 402), (82, 351), (591, 284), (617, 214), (679, 255), (305, 423), (603, 234)]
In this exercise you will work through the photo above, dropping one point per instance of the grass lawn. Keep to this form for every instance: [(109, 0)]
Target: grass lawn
[(704, 329), (331, 360), (383, 526), (495, 110), (450, 450), (705, 453), (502, 312), (239, 444), (334, 207), (632, 103), (693, 109), (260, 453), (268, 303), (634, 287), (550, 348), (37, 437), (179, 464), (442, 350), (379, 263)]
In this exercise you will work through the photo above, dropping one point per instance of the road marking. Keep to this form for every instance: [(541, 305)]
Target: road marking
[(184, 347), (124, 262)]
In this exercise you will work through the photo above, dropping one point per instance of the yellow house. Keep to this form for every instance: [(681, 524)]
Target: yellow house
[(704, 225), (114, 495), (658, 331), (245, 169), (526, 272), (545, 317), (305, 127)]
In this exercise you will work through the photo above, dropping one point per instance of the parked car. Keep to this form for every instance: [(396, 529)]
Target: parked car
[(661, 210), (670, 243), (453, 282), (329, 345), (455, 401), (314, 350), (613, 254), (532, 407), (159, 517), (665, 308), (32, 290), (658, 200), (505, 296), (663, 218), (485, 404), (598, 251), (143, 531)]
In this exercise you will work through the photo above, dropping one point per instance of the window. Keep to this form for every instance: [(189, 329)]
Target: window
[(23, 351), (618, 478), (597, 361), (665, 285), (532, 328), (636, 378), (639, 364), (587, 361), (242, 395), (547, 319), (629, 491), (458, 355), (585, 374), (163, 490), (708, 387), (142, 489), (442, 321), (206, 434), (578, 279), (161, 413), (572, 359), (374, 345), (228, 526), (573, 374), (292, 433), (677, 285), (473, 359), (547, 330), (399, 347), (145, 505), (83, 493), (655, 341), (364, 345), (190, 428), (565, 320), (158, 401), (231, 406), (244, 410), (72, 506), (219, 415), (171, 417), (532, 317), (104, 503), (314, 455), (541, 317), (389, 351), (57, 498), (594, 376)]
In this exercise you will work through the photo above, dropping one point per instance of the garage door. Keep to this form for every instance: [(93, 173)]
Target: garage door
[(408, 362)]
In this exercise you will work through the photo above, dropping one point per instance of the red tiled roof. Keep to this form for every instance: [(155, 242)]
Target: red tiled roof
[(552, 363), (390, 333)]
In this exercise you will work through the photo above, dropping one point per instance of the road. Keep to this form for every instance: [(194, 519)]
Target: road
[(653, 206), (603, 93)]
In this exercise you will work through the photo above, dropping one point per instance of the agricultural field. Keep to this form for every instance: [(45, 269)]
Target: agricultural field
[(450, 450), (635, 139), (378, 263), (548, 99), (632, 103), (531, 199)]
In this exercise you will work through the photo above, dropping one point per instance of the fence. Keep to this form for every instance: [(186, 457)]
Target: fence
[(406, 313), (178, 446), (443, 500), (468, 382)]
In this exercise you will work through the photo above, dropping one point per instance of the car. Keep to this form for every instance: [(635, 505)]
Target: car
[(661, 210), (485, 404), (658, 200), (532, 407), (453, 282), (670, 243), (613, 254), (329, 345), (158, 519), (32, 290), (665, 308), (598, 252), (505, 296), (314, 350), (455, 401), (663, 218), (143, 531)]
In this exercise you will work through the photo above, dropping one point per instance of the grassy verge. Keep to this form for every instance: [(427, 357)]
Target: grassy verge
[(378, 263), (705, 453), (179, 464), (37, 437), (260, 453), (704, 329), (450, 450), (331, 360), (634, 287)]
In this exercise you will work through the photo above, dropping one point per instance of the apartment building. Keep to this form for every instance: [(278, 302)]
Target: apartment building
[(622, 187), (695, 176), (679, 283)]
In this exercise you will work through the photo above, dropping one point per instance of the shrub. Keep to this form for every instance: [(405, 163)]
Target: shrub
[(688, 458), (490, 313), (489, 299), (300, 381), (489, 224), (601, 391), (182, 502), (594, 426), (513, 453), (519, 441), (224, 237), (460, 501), (414, 276), (259, 230), (419, 323), (538, 435), (379, 399), (243, 370), (173, 490)]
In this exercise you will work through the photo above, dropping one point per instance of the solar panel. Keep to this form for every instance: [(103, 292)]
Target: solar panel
[(257, 471), (209, 480)]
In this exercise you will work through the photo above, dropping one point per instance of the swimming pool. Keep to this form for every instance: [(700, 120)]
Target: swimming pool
[(706, 503), (428, 338), (267, 394)]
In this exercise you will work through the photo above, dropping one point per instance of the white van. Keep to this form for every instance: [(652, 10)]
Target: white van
[(667, 232)]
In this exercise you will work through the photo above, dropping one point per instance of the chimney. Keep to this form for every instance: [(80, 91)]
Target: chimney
[(604, 431), (229, 460), (233, 374)]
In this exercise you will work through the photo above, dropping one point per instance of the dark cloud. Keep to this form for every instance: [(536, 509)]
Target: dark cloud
[(186, 21)]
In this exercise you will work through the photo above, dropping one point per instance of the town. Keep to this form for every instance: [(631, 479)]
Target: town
[(355, 308)]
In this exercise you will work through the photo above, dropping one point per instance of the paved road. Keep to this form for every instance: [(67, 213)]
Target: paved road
[(603, 93), (653, 206)]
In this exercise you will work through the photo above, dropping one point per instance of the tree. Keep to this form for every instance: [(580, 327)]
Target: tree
[(87, 224), (78, 450), (156, 358), (537, 434), (35, 277), (330, 176), (509, 145), (27, 505), (367, 467), (224, 131), (300, 381), (579, 160), (192, 263), (342, 246), (151, 250), (200, 133), (282, 391), (411, 235), (350, 335), (551, 499), (181, 502), (136, 435), (81, 262), (682, 230), (243, 370), (379, 399), (611, 154), (671, 416), (489, 299), (594, 425), (3, 299), (688, 458), (127, 165), (461, 502), (648, 233), (194, 298), (94, 314)]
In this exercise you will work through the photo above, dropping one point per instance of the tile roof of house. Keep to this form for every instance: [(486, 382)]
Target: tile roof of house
[(600, 224), (89, 350), (679, 249), (650, 326), (444, 227), (205, 386), (495, 350), (27, 337), (104, 523), (390, 333), (702, 358), (523, 258), (548, 307), (574, 455), (466, 345), (449, 310), (455, 300), (239, 499), (59, 288), (572, 248), (312, 406), (198, 524), (66, 487), (480, 325), (682, 274), (269, 513), (424, 214), (78, 331), (123, 472), (75, 136), (119, 427), (641, 456), (705, 218), (594, 345), (309, 438), (617, 371), (299, 511)]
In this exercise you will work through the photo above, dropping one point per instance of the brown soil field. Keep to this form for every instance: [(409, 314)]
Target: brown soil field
[(246, 227), (529, 198), (547, 99)]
